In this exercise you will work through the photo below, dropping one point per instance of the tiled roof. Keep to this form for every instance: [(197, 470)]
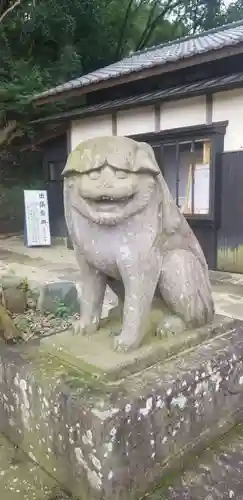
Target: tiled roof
[(225, 36), (190, 89)]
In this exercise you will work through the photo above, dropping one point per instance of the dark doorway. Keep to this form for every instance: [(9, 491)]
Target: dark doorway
[(55, 198), (230, 234), (189, 160), (55, 156)]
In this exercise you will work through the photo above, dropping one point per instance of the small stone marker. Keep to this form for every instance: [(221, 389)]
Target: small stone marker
[(59, 294)]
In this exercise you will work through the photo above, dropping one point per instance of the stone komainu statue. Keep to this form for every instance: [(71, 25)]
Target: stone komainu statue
[(129, 234)]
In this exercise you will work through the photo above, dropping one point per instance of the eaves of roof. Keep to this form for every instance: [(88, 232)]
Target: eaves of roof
[(158, 57), (188, 90)]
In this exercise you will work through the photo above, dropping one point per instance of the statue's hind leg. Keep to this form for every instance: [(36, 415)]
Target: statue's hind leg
[(185, 288)]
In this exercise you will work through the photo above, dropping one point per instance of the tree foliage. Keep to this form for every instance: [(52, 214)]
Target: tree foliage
[(44, 43), (234, 11)]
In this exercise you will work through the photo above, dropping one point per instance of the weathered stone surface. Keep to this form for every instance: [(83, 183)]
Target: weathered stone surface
[(215, 475), (96, 356), (14, 293), (128, 233), (21, 479), (57, 295), (106, 440), (9, 332)]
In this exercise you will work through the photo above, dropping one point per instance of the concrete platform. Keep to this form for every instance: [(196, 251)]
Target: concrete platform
[(228, 294)]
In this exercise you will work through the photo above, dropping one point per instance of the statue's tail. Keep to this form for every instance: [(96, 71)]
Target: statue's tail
[(173, 221)]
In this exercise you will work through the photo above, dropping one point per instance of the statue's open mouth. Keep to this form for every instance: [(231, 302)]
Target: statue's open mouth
[(107, 203)]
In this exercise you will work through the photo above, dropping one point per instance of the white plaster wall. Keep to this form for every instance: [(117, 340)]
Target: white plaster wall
[(141, 120), (183, 113), (136, 121), (88, 128), (228, 105)]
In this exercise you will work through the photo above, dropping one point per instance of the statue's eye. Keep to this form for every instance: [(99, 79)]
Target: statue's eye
[(94, 175), (121, 174)]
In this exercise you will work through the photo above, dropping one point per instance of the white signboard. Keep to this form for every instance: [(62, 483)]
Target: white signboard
[(37, 225), (201, 190)]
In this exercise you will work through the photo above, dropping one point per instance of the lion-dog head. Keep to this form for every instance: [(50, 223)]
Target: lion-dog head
[(109, 179)]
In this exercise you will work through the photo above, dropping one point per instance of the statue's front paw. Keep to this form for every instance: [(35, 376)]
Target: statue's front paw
[(124, 343), (77, 328), (80, 328)]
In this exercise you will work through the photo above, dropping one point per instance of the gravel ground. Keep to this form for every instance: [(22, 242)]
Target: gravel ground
[(35, 324)]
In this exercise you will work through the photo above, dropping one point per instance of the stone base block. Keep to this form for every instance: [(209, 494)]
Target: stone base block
[(216, 474), (106, 437)]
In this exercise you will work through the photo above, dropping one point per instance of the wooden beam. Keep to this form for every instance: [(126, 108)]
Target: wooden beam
[(200, 131), (157, 118), (209, 109), (114, 123), (69, 139)]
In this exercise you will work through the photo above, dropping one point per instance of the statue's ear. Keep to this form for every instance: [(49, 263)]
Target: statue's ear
[(145, 159), (171, 215), (146, 148)]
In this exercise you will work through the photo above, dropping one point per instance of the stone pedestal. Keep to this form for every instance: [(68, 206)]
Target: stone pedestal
[(108, 425)]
